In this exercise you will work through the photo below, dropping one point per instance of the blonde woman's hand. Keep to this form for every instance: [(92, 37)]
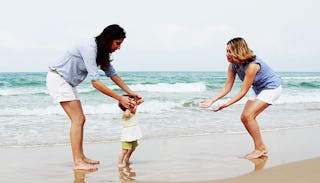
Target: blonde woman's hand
[(205, 103), (219, 108)]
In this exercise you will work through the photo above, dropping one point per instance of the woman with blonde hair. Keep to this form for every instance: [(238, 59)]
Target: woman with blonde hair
[(254, 73)]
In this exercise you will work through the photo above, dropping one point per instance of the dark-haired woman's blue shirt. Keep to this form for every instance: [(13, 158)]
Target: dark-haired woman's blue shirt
[(80, 62)]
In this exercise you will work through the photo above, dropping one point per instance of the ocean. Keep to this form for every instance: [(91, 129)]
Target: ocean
[(29, 118)]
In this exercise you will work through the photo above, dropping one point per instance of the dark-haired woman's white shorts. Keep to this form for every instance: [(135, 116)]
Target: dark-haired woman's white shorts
[(268, 96), (59, 89)]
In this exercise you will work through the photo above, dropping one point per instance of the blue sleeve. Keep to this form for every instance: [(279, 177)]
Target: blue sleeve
[(110, 72)]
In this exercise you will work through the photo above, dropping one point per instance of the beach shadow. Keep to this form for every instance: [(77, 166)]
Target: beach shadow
[(126, 174), (259, 163), (80, 175)]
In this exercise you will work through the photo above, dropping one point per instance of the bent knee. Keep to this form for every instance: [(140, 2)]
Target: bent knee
[(246, 117)]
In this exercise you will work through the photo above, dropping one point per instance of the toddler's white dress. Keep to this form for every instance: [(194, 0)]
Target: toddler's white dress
[(130, 130)]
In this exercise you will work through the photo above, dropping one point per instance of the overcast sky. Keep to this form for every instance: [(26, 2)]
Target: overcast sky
[(162, 35)]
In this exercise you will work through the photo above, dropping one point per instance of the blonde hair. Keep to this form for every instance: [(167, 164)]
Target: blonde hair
[(239, 50)]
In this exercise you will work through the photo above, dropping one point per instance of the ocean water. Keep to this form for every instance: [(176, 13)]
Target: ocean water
[(29, 118)]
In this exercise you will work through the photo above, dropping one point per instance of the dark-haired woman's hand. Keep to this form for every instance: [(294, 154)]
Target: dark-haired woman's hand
[(125, 101)]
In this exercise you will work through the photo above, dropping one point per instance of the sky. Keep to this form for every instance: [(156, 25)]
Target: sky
[(162, 35)]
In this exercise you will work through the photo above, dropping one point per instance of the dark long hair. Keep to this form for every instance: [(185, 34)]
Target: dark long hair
[(104, 42)]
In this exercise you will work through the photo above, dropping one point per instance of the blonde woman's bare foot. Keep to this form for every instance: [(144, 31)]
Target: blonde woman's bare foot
[(90, 161), (256, 154), (84, 166)]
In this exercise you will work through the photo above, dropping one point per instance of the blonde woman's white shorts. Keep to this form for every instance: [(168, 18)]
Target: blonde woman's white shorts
[(59, 89), (268, 96)]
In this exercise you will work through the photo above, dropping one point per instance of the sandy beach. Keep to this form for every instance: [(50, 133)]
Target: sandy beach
[(293, 157)]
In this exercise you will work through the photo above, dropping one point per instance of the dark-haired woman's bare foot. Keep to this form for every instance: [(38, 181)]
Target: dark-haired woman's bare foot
[(90, 161), (84, 166)]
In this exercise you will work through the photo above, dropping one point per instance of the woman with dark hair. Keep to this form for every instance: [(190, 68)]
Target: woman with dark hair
[(255, 74), (85, 60)]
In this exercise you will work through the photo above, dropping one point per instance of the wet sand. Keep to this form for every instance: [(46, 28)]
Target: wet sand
[(293, 157)]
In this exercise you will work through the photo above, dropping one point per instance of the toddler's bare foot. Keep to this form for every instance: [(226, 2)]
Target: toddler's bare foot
[(120, 165), (84, 166), (90, 161)]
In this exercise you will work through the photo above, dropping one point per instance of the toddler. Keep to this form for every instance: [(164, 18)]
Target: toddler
[(130, 132)]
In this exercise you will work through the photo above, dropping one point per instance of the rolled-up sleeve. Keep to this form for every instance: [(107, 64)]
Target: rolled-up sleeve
[(93, 76)]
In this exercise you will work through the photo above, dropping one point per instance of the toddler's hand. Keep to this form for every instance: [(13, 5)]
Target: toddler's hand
[(132, 103), (139, 100)]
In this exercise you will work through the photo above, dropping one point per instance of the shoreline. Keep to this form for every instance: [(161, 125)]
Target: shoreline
[(207, 158)]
